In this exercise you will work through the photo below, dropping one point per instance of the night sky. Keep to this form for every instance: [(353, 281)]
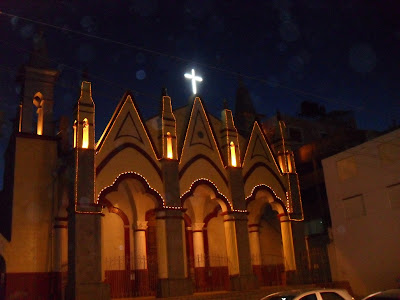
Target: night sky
[(344, 54)]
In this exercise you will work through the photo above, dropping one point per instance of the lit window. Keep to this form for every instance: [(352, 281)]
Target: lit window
[(170, 154), (281, 160), (39, 112), (74, 133), (289, 161), (85, 134), (233, 154)]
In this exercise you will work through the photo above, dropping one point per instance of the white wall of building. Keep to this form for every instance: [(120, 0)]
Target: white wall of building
[(363, 187)]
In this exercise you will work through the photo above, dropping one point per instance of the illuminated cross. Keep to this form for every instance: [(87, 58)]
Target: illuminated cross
[(194, 79)]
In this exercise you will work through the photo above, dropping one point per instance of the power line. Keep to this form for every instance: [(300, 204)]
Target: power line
[(177, 58)]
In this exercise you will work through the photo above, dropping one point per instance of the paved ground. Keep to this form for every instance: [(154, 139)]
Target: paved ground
[(248, 295)]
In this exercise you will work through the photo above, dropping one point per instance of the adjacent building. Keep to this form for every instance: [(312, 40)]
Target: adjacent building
[(363, 187)]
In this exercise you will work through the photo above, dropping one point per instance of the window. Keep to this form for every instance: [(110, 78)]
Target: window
[(393, 192), (309, 297), (85, 134), (170, 154), (75, 123), (233, 154), (346, 168), (331, 296), (354, 207)]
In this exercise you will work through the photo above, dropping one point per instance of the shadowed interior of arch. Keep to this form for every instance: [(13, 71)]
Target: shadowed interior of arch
[(205, 236), (128, 234), (265, 235)]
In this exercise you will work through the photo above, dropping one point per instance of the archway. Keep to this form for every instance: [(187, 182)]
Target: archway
[(270, 236), (205, 236), (2, 278), (128, 235)]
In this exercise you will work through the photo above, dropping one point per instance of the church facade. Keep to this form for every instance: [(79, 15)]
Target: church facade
[(177, 204)]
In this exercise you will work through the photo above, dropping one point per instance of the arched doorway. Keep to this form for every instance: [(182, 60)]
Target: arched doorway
[(2, 278), (270, 236), (129, 236), (205, 237)]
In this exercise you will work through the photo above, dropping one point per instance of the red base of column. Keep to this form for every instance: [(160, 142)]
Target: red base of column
[(142, 282), (218, 279), (273, 275), (200, 276), (38, 285), (257, 271)]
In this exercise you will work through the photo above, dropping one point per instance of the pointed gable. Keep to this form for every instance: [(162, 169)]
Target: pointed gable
[(200, 150), (199, 137), (258, 150), (260, 165), (125, 127), (128, 129)]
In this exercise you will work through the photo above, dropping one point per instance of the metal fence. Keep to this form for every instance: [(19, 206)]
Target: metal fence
[(131, 277), (209, 273)]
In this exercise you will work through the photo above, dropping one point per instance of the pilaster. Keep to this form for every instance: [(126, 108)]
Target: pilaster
[(84, 215), (238, 249), (171, 244), (171, 252)]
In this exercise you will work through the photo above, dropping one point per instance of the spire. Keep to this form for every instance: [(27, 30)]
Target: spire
[(225, 103), (39, 57), (245, 114), (85, 74)]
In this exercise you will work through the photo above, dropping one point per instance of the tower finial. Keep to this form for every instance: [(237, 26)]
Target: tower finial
[(85, 73), (39, 57), (164, 91), (225, 103)]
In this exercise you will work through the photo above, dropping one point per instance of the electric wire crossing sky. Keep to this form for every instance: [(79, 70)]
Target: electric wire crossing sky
[(194, 79)]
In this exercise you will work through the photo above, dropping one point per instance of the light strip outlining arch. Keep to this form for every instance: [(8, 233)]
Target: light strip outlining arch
[(206, 181), (134, 175)]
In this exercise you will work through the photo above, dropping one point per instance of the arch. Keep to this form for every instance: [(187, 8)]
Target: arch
[(113, 153), (37, 101), (127, 244), (206, 158), (263, 165), (279, 206), (211, 215), (204, 181), (37, 98), (130, 175), (112, 209), (269, 197)]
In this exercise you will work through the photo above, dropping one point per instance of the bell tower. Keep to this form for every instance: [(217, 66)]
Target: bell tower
[(37, 80)]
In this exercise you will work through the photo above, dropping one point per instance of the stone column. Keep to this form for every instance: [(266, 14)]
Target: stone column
[(254, 238), (199, 256), (287, 241), (140, 245), (198, 245), (171, 252), (60, 253), (141, 272)]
